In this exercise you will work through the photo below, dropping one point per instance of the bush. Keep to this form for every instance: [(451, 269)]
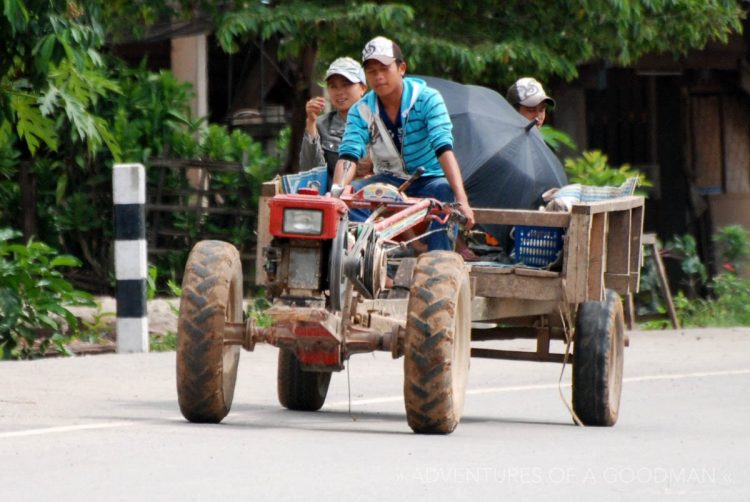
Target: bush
[(685, 249), (734, 247), (239, 190), (592, 168), (33, 296), (728, 301), (729, 304), (148, 118), (556, 138)]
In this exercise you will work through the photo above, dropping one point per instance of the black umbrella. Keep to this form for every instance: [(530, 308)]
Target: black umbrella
[(504, 161)]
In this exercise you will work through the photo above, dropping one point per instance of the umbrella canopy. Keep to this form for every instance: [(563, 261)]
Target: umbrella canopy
[(504, 161)]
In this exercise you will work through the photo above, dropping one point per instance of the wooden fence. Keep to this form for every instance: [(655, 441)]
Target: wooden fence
[(189, 201)]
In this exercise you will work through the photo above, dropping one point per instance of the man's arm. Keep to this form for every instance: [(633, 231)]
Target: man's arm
[(353, 146), (343, 174), (453, 175)]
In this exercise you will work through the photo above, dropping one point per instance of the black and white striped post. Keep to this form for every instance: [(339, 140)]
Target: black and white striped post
[(131, 268)]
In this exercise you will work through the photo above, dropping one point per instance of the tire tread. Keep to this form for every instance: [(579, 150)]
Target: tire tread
[(212, 269), (433, 301)]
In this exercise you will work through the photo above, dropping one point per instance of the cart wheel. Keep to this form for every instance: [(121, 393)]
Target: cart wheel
[(597, 360), (298, 389), (437, 343), (211, 296)]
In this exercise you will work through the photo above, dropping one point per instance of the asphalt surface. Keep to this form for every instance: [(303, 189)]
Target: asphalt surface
[(108, 428)]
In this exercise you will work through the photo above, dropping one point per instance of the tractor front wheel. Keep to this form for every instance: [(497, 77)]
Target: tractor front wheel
[(437, 343), (211, 297)]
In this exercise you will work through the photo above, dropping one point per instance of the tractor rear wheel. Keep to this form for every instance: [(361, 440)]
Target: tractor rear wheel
[(437, 343), (298, 389), (211, 297), (598, 360)]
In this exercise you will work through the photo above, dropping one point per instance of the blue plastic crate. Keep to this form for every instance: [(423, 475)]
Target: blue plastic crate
[(537, 246)]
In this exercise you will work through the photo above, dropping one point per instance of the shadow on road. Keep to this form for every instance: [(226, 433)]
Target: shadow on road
[(272, 416)]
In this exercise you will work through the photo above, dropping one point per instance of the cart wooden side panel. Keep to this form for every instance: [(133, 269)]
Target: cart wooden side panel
[(602, 250)]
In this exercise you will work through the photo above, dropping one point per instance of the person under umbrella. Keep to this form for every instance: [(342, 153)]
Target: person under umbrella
[(504, 160), (527, 96)]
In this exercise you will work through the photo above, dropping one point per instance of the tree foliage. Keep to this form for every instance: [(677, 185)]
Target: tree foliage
[(486, 42), (52, 75), (489, 41), (68, 111)]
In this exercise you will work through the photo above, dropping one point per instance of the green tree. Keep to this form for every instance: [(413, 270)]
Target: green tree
[(52, 79), (488, 42), (67, 111), (53, 83), (51, 75)]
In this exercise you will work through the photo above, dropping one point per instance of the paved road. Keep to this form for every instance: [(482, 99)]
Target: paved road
[(108, 428)]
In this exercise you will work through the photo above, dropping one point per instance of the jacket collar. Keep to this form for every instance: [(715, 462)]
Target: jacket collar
[(413, 87)]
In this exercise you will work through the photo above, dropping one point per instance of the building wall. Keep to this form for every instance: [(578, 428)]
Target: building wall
[(687, 129)]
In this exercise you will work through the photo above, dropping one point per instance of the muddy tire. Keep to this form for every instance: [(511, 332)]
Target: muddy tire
[(211, 296), (597, 361), (300, 390), (437, 343)]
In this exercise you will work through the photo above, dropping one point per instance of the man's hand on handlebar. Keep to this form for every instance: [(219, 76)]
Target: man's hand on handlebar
[(468, 214), (463, 215)]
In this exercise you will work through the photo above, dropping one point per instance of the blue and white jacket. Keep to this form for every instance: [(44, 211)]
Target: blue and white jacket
[(427, 132)]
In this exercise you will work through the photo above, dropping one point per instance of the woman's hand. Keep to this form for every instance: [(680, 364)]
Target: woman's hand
[(313, 108)]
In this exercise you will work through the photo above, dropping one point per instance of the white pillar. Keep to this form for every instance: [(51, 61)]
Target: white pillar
[(131, 265)]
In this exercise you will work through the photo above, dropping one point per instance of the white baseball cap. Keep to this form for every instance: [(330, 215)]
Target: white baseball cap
[(527, 91), (347, 68), (382, 49)]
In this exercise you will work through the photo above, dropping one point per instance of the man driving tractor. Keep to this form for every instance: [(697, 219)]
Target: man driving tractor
[(404, 125)]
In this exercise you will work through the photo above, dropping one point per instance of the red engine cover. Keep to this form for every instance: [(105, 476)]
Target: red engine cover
[(332, 209)]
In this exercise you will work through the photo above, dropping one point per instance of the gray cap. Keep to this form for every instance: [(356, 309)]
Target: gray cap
[(527, 92), (347, 68)]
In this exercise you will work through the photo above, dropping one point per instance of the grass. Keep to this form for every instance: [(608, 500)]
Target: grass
[(166, 342)]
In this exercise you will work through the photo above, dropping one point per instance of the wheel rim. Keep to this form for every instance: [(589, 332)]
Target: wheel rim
[(614, 381), (336, 277), (460, 352), (231, 353)]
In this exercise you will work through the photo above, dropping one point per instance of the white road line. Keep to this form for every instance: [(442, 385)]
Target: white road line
[(677, 376), (65, 428), (387, 399), (518, 388)]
